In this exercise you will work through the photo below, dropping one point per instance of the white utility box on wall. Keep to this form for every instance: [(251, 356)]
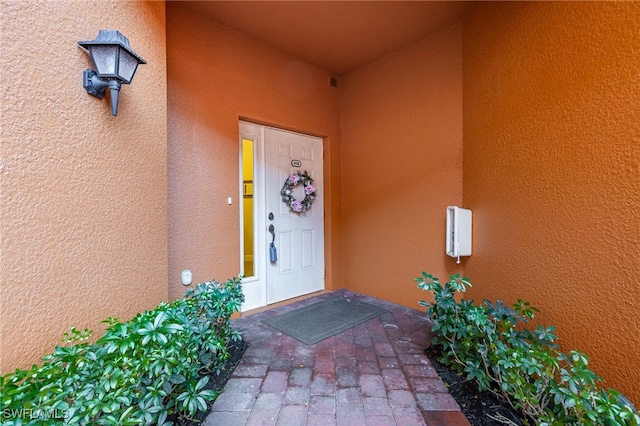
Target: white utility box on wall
[(458, 232)]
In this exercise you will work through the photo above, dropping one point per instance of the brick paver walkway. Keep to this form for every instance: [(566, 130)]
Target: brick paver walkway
[(373, 374)]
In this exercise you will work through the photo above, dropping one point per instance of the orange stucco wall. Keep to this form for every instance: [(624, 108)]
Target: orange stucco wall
[(84, 206), (215, 77), (552, 170), (97, 212), (402, 166)]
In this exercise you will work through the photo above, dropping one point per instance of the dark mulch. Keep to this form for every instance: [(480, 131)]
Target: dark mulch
[(216, 382), (480, 408)]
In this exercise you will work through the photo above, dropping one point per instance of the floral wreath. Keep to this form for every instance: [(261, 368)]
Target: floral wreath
[(291, 182)]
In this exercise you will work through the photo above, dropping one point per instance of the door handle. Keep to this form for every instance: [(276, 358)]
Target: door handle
[(273, 254), (272, 231)]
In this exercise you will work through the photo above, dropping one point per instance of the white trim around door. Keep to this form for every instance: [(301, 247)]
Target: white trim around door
[(272, 155)]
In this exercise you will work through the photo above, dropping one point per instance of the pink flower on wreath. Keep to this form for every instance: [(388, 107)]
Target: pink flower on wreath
[(293, 179), (309, 189), (296, 206)]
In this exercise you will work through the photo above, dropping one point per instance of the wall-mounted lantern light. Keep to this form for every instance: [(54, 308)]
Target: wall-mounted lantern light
[(115, 63)]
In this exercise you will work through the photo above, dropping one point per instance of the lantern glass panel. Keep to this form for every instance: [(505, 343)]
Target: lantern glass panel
[(128, 65), (105, 57)]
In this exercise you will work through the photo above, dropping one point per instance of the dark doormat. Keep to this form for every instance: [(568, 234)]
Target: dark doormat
[(316, 322)]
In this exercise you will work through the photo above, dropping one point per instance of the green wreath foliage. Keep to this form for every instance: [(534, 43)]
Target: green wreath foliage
[(295, 179)]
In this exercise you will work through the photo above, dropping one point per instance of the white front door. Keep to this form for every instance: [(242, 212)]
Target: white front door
[(299, 241), (298, 237)]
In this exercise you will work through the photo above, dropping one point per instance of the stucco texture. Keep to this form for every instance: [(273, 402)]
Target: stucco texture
[(401, 166), (84, 206), (99, 213), (217, 76), (552, 170)]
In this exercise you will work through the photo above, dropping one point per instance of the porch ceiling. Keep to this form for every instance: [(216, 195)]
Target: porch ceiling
[(338, 36)]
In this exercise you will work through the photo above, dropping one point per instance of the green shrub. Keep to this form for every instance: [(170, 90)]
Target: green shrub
[(491, 345), (139, 372)]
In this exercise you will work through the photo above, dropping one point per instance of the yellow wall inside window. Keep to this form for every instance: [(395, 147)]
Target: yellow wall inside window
[(248, 204)]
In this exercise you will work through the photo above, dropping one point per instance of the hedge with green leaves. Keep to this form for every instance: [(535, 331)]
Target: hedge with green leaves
[(490, 345), (141, 372)]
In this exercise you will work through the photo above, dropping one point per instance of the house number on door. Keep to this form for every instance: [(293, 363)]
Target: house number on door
[(296, 163)]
